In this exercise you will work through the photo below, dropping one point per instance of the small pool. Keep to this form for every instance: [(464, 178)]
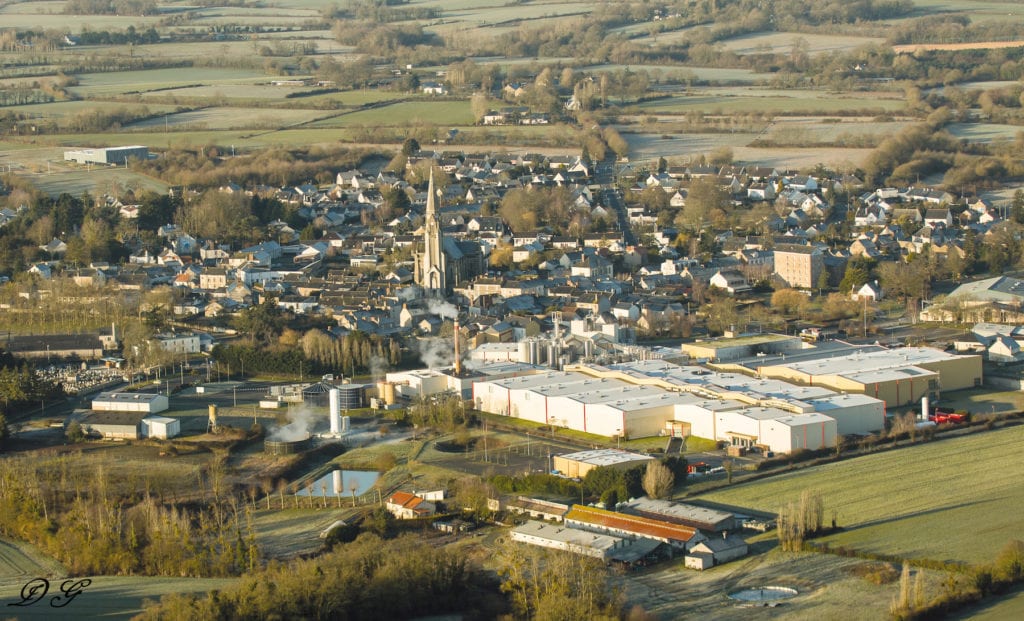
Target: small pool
[(341, 483), (764, 594)]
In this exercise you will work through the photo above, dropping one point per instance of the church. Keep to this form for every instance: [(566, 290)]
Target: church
[(444, 263)]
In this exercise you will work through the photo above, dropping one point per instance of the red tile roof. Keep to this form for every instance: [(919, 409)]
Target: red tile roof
[(644, 527)]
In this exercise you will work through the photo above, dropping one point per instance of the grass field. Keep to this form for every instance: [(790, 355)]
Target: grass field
[(985, 401), (783, 42), (116, 83), (984, 132), (230, 118), (955, 500), (20, 562), (996, 609), (438, 112), (799, 102)]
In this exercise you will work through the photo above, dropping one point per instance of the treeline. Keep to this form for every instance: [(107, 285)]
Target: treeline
[(206, 167), (111, 7), (608, 484), (117, 37), (81, 517), (381, 11), (316, 352), (369, 578)]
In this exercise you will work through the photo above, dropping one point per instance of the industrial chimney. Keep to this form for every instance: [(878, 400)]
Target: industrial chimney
[(458, 353), (334, 397)]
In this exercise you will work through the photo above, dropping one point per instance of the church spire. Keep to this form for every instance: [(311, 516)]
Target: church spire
[(432, 273), (431, 194)]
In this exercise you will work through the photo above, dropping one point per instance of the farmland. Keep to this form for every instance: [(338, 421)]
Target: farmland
[(902, 498)]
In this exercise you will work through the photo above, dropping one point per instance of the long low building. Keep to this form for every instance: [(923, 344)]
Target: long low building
[(624, 525), (130, 402), (579, 464), (107, 155), (597, 545)]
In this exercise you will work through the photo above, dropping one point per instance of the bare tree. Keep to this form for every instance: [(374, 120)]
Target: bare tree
[(658, 480)]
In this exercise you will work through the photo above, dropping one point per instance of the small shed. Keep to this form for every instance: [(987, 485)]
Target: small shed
[(161, 427), (112, 425)]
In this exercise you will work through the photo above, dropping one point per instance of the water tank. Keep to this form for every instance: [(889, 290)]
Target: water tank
[(336, 484), (552, 356), (588, 348), (350, 396), (534, 351), (386, 392), (346, 424)]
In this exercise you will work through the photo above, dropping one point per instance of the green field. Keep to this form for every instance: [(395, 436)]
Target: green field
[(437, 112), (996, 609), (116, 83), (955, 500), (783, 42)]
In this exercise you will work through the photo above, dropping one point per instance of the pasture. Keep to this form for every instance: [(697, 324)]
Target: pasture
[(119, 83), (230, 118), (747, 100), (985, 132), (950, 500), (785, 42)]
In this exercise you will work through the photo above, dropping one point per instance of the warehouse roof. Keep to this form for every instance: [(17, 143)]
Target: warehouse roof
[(845, 400), (799, 420), (571, 536), (127, 397), (606, 457), (679, 511), (884, 359), (760, 413)]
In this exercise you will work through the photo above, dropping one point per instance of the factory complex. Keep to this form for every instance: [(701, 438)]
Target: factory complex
[(786, 406)]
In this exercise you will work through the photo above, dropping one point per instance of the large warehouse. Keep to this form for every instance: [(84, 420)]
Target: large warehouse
[(108, 155), (654, 397), (579, 464), (897, 376), (130, 402)]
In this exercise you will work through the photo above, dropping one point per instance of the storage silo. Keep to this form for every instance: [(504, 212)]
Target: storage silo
[(335, 410)]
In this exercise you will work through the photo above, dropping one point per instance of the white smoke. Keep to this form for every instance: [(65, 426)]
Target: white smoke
[(300, 424), (444, 310), (378, 368), (407, 294), (436, 352)]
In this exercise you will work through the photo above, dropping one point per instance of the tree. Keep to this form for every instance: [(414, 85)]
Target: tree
[(789, 301), (261, 322), (705, 199), (658, 480)]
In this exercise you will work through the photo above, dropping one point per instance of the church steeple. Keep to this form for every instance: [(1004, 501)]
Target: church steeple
[(431, 274)]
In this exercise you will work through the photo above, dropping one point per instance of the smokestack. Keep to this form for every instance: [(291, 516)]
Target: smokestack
[(458, 354), (925, 411), (335, 409)]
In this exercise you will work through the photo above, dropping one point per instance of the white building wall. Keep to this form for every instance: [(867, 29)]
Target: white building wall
[(735, 422), (491, 397), (528, 405), (783, 437), (566, 412), (702, 421), (859, 419)]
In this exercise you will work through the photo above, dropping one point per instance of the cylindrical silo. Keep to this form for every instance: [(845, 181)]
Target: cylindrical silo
[(335, 404), (524, 351), (336, 483), (346, 424)]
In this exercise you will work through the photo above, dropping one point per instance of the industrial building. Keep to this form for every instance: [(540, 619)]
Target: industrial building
[(108, 155), (161, 427), (579, 464), (715, 551), (112, 425), (726, 349), (603, 546), (701, 518), (130, 402), (655, 397), (897, 376), (606, 522)]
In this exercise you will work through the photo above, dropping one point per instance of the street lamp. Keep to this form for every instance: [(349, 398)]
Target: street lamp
[(618, 436)]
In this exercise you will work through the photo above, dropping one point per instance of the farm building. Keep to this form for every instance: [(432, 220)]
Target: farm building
[(113, 424), (130, 402), (800, 431), (715, 551), (625, 525), (538, 509), (597, 545), (897, 376), (161, 427), (701, 518), (108, 155), (579, 464)]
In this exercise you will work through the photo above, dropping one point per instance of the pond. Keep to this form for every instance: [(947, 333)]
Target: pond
[(341, 483), (763, 594)]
